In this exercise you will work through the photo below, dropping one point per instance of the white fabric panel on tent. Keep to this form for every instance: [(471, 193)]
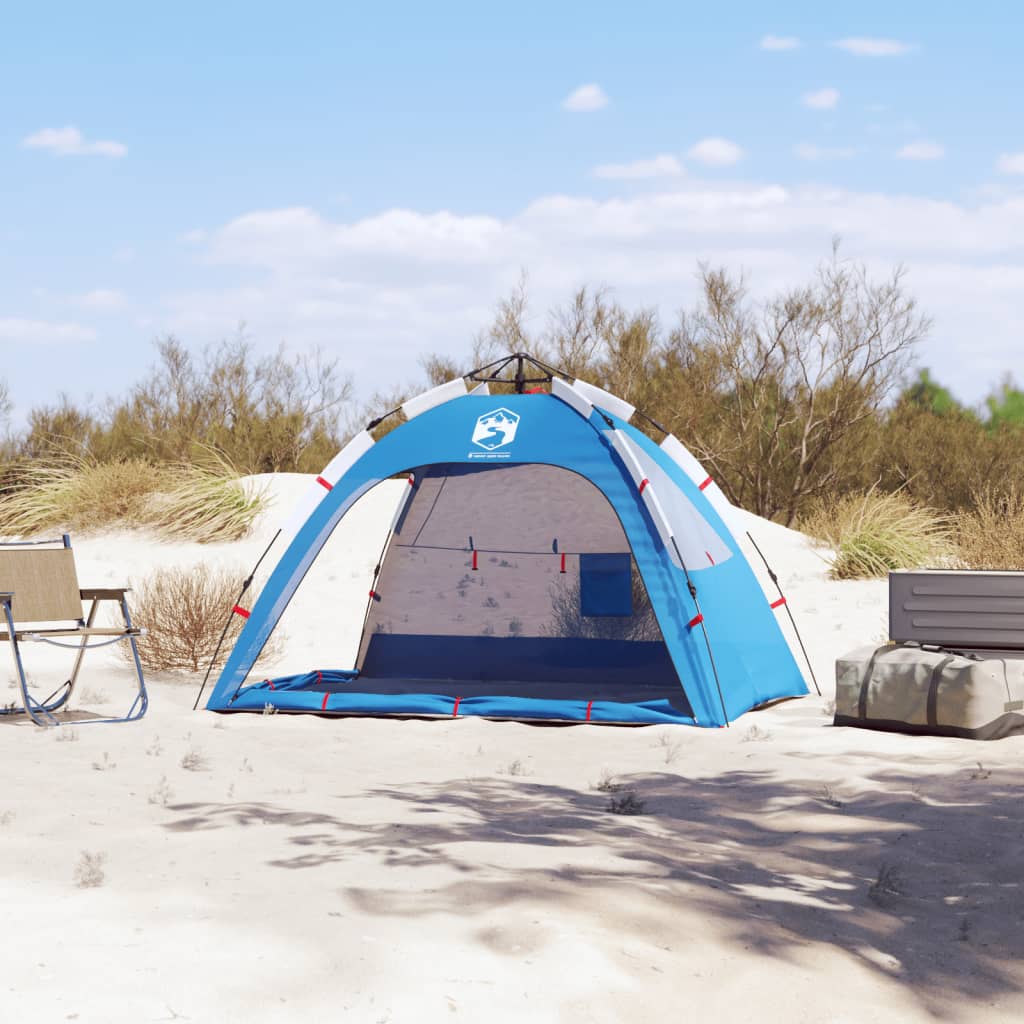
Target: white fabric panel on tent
[(605, 400), (699, 543), (572, 396), (435, 396), (685, 460)]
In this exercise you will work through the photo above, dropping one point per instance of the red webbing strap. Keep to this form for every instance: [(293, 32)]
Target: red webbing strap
[(239, 610), (474, 558), (590, 704), (563, 563), (643, 484), (373, 595), (455, 710), (269, 682), (695, 621), (323, 483), (710, 559), (779, 603), (323, 706), (411, 481), (706, 483)]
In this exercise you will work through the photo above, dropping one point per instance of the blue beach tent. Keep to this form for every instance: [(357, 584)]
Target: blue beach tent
[(548, 562)]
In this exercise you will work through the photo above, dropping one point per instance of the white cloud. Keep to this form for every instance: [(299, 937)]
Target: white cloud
[(770, 42), (14, 331), (101, 299), (664, 166), (405, 282), (813, 152), (69, 141), (822, 99), (921, 151), (716, 152), (864, 46), (1010, 163), (585, 99)]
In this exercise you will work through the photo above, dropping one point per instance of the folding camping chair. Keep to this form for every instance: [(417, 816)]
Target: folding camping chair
[(40, 601)]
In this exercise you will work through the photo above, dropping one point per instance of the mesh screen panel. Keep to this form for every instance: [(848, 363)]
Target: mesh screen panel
[(481, 588)]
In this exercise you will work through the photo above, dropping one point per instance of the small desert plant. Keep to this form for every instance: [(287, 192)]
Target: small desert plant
[(829, 707), (270, 709), (90, 696), (154, 749), (991, 535), (66, 735), (515, 767), (872, 533), (163, 794), (888, 882), (828, 794), (104, 765), (183, 611), (626, 803), (89, 870), (194, 761), (671, 748), (981, 772), (6, 817), (755, 734), (606, 783)]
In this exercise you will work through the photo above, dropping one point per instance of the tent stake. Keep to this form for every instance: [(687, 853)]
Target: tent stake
[(799, 638)]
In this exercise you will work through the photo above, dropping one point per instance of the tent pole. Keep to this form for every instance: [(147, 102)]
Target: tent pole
[(691, 586), (799, 638), (227, 624)]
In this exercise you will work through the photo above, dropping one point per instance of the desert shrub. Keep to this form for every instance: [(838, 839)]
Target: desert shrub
[(276, 413), (184, 611), (182, 500), (944, 460), (991, 535), (89, 871), (872, 533)]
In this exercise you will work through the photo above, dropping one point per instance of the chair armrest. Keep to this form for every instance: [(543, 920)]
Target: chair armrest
[(103, 593)]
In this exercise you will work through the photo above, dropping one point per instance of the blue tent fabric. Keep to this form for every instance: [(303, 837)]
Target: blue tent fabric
[(753, 661)]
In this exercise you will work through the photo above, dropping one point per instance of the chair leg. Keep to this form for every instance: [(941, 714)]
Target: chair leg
[(138, 708), (36, 711)]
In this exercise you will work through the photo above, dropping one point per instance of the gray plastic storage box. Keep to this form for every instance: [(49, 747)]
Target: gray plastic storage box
[(960, 610)]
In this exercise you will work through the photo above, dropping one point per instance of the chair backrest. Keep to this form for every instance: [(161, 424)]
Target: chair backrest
[(44, 583)]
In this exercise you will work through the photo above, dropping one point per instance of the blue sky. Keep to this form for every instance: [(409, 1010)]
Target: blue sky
[(371, 179)]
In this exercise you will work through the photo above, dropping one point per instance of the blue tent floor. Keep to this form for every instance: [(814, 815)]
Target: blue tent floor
[(345, 693)]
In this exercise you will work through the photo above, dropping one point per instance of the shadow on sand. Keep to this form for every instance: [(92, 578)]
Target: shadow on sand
[(915, 876)]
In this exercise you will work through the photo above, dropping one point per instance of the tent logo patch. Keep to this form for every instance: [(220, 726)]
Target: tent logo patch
[(495, 429)]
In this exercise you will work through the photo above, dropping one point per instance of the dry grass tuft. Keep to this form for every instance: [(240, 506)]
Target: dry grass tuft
[(184, 611), (991, 536), (872, 533), (183, 501)]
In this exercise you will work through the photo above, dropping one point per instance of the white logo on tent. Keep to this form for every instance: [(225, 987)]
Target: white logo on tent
[(495, 429)]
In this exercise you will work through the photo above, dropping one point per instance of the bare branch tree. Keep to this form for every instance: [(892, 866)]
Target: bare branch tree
[(773, 394)]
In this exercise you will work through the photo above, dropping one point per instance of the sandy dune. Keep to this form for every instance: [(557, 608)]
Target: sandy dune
[(277, 868)]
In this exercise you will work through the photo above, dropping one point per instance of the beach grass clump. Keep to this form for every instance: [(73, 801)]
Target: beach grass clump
[(202, 502), (872, 533), (183, 611), (991, 534)]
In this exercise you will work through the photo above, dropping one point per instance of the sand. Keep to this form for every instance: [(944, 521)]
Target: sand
[(278, 868)]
